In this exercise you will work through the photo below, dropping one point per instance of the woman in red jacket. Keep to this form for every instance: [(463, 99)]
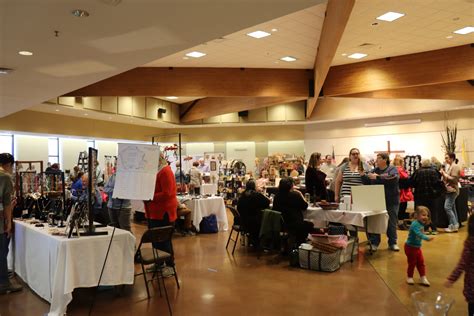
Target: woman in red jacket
[(405, 191), (162, 210)]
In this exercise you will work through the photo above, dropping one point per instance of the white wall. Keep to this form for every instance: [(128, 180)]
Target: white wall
[(29, 148), (242, 150), (286, 147), (69, 149), (423, 139), (106, 148), (198, 148)]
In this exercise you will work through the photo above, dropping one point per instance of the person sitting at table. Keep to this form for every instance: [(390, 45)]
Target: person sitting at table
[(250, 206), (291, 203), (195, 178), (315, 179), (387, 175), (7, 203), (77, 186), (263, 181), (184, 212)]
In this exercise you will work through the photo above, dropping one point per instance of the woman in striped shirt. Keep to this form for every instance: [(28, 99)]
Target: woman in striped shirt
[(350, 174)]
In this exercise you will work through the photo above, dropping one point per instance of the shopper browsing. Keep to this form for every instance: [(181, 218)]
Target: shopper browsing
[(413, 245), (466, 265)]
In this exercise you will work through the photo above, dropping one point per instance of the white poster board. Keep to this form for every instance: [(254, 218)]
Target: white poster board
[(368, 198), (136, 171)]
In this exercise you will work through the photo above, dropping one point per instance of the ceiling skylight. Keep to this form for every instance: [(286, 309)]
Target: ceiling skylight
[(465, 30), (288, 58), (357, 55), (258, 34), (195, 54)]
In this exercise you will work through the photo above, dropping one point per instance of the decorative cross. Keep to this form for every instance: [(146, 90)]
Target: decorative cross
[(390, 151)]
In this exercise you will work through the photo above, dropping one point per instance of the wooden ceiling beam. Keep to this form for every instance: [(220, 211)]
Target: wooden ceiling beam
[(213, 106), (462, 90), (209, 82), (337, 15), (428, 68)]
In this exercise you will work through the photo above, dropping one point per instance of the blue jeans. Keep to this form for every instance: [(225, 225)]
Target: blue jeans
[(165, 246), (4, 241), (450, 208), (392, 210)]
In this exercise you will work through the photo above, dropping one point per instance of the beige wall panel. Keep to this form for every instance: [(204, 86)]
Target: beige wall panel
[(166, 117), (296, 111), (175, 113), (230, 118), (139, 107), (91, 103), (53, 101), (276, 113), (151, 108), (125, 105), (258, 115), (109, 104), (212, 120), (69, 101)]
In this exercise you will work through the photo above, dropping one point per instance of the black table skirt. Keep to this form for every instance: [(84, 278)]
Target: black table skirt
[(461, 208)]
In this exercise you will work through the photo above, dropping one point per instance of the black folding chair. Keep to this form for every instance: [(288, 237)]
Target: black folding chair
[(148, 256), (237, 226)]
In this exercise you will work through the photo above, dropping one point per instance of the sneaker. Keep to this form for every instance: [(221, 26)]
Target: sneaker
[(424, 281), (153, 268), (373, 248), (410, 281), (394, 247), (434, 232), (10, 288), (449, 229), (167, 272), (455, 228)]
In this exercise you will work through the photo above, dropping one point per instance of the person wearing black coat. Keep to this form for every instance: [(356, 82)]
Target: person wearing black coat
[(250, 206), (315, 179), (291, 204)]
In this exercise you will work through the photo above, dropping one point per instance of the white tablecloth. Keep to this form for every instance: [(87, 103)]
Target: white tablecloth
[(54, 266), (377, 221), (206, 206), (209, 188)]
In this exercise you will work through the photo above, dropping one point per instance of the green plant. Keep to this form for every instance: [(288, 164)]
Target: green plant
[(449, 142)]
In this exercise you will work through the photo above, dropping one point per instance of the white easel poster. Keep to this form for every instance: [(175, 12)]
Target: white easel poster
[(136, 171)]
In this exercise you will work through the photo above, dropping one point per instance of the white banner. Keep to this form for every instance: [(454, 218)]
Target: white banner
[(136, 171)]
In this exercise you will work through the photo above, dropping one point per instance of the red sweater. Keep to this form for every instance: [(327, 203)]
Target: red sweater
[(164, 199)]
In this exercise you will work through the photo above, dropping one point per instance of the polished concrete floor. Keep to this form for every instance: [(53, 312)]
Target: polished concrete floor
[(213, 282)]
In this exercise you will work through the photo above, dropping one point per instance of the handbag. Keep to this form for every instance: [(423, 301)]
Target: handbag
[(208, 224)]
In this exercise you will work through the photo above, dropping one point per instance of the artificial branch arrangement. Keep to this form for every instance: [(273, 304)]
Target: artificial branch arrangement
[(449, 142)]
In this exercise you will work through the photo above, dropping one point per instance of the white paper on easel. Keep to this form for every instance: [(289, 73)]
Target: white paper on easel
[(368, 198), (136, 171)]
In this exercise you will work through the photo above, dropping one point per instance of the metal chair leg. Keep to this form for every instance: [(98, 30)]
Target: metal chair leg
[(176, 277), (166, 292), (146, 282), (235, 242), (230, 236)]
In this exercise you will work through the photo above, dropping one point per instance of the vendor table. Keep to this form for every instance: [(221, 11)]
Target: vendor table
[(209, 189), (53, 266), (373, 221), (207, 206)]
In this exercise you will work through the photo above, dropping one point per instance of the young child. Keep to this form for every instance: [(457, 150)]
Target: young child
[(466, 264), (413, 245)]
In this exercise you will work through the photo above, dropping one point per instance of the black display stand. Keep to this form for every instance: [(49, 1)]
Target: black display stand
[(90, 229)]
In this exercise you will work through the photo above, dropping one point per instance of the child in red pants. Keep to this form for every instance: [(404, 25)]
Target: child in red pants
[(413, 245)]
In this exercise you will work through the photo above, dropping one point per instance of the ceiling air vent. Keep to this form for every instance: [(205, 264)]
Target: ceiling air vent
[(5, 71)]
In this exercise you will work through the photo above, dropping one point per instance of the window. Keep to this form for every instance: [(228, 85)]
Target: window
[(6, 143), (90, 143), (53, 150)]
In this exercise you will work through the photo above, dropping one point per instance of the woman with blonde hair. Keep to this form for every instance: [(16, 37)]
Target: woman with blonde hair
[(315, 179)]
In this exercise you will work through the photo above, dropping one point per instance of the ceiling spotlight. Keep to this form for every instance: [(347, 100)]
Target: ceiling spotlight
[(274, 30), (258, 34), (195, 54), (357, 56), (288, 58), (172, 98), (344, 54), (5, 71), (465, 30), (80, 13), (25, 53), (390, 16), (450, 36)]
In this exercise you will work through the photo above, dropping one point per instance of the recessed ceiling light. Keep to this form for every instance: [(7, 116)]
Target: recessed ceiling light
[(195, 54), (80, 13), (274, 30), (390, 16), (25, 53), (344, 54), (465, 30), (357, 55), (450, 36), (57, 110), (85, 114), (288, 58), (258, 34), (172, 98)]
